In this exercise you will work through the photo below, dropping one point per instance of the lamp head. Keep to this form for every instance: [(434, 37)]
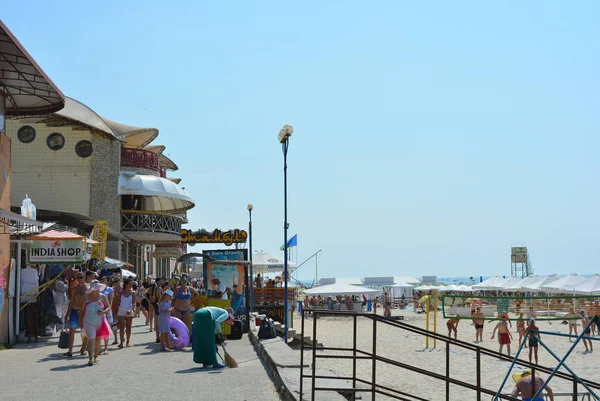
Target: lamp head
[(250, 207), (285, 133)]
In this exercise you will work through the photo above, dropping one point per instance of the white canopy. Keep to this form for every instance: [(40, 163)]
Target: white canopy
[(340, 289), (401, 285), (494, 283), (463, 288), (564, 284), (161, 195), (264, 262), (535, 283), (591, 285), (423, 288), (513, 284), (126, 273)]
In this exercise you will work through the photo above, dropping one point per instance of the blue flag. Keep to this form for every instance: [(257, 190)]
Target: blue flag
[(291, 242)]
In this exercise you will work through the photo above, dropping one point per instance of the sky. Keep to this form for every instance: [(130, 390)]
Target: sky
[(429, 137)]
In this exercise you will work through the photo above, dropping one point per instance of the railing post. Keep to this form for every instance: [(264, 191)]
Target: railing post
[(302, 356), (314, 357), (447, 370), (354, 360), (574, 389), (478, 358), (374, 367)]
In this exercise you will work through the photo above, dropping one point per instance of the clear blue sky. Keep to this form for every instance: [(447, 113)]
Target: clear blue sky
[(429, 137)]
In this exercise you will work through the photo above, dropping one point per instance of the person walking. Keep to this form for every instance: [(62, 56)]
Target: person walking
[(534, 336), (108, 292), (126, 311), (207, 323), (504, 335), (182, 303), (164, 317), (478, 320), (587, 331), (93, 320), (76, 303), (572, 320)]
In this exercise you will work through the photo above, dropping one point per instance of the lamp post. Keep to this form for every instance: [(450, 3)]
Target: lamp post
[(284, 138), (251, 288)]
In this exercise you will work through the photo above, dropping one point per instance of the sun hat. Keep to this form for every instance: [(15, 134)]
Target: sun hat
[(518, 376), (169, 293), (95, 285)]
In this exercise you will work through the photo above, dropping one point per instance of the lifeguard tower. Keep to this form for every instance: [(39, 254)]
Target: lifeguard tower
[(520, 263)]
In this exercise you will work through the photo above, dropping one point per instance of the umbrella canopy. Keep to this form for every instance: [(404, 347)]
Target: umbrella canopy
[(340, 289), (446, 288), (264, 262), (463, 288), (402, 285), (535, 283), (423, 288), (564, 284), (513, 284), (591, 285), (494, 283)]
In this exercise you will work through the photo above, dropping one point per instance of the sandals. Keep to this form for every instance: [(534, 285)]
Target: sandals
[(120, 345), (90, 363), (128, 345), (68, 355)]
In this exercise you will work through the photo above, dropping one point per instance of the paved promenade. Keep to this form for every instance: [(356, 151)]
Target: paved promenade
[(38, 371)]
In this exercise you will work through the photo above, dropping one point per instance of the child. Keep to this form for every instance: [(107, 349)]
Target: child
[(164, 316), (521, 327), (534, 337)]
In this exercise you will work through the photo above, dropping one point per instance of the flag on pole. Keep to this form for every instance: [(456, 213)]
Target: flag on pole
[(291, 242)]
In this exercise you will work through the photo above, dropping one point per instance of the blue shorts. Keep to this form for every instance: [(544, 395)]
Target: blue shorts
[(531, 399), (74, 319)]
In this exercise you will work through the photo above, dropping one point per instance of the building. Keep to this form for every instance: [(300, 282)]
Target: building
[(24, 90), (79, 167)]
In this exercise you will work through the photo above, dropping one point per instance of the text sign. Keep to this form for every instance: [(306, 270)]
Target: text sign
[(216, 237), (56, 251)]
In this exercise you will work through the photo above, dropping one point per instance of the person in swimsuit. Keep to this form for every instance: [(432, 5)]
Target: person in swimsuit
[(478, 320), (521, 327), (75, 305), (387, 307), (526, 387), (594, 314), (126, 311), (182, 302), (452, 325), (504, 336), (534, 337), (587, 331), (572, 319), (116, 300)]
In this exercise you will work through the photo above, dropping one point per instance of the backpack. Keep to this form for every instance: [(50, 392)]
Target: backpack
[(266, 330)]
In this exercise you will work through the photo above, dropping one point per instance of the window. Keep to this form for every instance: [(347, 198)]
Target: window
[(84, 149), (26, 134), (55, 141)]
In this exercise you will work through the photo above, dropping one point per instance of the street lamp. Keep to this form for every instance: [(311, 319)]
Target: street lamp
[(251, 288), (284, 138)]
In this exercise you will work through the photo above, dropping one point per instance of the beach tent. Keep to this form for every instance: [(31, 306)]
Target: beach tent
[(513, 284), (423, 288), (406, 280), (340, 289), (446, 288), (463, 288), (494, 283), (396, 291), (563, 283), (591, 286), (264, 262), (535, 283)]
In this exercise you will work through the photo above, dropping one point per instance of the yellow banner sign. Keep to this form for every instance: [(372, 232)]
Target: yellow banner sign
[(216, 237), (101, 236)]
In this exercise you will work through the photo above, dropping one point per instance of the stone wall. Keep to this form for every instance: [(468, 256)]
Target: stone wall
[(104, 198)]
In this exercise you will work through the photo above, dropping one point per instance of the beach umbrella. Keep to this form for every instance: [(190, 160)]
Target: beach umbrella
[(564, 284), (590, 286), (446, 288), (340, 289), (494, 283), (513, 284), (264, 262), (422, 288), (535, 283), (463, 288)]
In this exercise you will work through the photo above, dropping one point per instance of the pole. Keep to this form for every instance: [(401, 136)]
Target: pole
[(284, 146), (18, 292), (435, 297), (251, 267), (317, 268)]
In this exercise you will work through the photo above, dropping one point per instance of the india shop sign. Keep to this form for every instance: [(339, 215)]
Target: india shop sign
[(56, 251)]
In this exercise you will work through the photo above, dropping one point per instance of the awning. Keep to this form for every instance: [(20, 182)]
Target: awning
[(19, 223), (340, 289), (58, 235), (28, 89), (134, 137), (114, 262), (161, 195)]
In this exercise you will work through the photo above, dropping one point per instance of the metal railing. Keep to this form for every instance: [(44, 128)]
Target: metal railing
[(374, 388), (132, 221)]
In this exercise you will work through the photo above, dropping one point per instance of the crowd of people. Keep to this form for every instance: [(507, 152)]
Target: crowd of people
[(103, 306)]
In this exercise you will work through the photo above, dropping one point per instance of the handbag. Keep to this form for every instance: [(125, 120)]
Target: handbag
[(63, 340)]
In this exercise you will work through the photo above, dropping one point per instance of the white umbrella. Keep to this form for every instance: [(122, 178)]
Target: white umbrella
[(463, 288), (535, 283), (423, 288), (494, 283), (513, 284), (563, 284), (264, 262), (446, 288), (340, 289), (590, 286)]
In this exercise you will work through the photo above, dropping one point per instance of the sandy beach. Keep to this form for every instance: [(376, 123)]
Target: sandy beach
[(409, 348)]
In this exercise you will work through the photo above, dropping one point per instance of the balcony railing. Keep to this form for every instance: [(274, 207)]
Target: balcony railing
[(140, 158), (150, 223)]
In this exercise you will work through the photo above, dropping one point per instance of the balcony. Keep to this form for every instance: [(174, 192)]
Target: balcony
[(140, 158), (150, 228)]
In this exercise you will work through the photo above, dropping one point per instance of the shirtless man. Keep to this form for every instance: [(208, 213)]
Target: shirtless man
[(504, 336), (526, 387), (387, 306), (452, 325), (478, 320), (594, 315), (75, 304)]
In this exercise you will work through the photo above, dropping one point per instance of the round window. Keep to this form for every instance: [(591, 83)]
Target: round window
[(26, 134), (84, 148), (55, 141)]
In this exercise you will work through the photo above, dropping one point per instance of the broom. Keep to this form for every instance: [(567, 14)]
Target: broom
[(229, 361)]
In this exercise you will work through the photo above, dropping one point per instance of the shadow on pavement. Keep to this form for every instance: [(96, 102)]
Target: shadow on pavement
[(200, 370), (69, 367)]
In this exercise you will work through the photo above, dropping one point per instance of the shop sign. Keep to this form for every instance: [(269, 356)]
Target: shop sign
[(216, 237), (56, 251), (100, 235)]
